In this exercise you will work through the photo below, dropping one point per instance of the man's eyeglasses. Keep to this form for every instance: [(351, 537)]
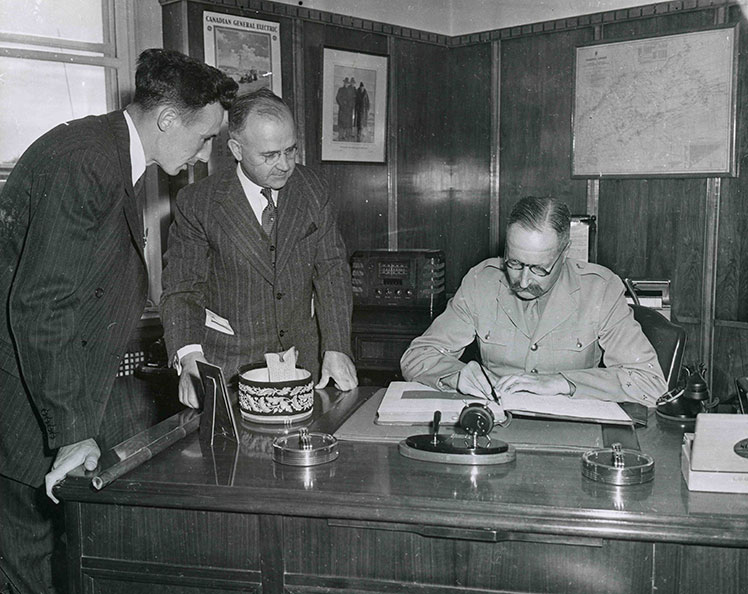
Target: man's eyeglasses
[(534, 268), (273, 157)]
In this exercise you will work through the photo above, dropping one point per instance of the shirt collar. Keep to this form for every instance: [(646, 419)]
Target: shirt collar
[(251, 188), (137, 154)]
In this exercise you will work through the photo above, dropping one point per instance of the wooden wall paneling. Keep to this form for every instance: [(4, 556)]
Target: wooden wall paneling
[(672, 22), (424, 210), (314, 40), (299, 95), (654, 228), (494, 219), (732, 258), (359, 190), (174, 27), (469, 137), (391, 137), (730, 358), (536, 104), (709, 272)]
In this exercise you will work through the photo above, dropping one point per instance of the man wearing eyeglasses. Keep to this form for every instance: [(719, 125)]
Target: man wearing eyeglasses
[(255, 262), (542, 321)]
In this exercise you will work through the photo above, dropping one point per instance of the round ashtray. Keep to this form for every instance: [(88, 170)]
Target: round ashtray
[(617, 466), (305, 448)]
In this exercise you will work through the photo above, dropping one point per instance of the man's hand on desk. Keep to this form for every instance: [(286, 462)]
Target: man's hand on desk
[(189, 379), (338, 367), (71, 456), (543, 385)]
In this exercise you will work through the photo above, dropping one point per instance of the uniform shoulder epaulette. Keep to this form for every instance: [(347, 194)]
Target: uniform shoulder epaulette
[(591, 268)]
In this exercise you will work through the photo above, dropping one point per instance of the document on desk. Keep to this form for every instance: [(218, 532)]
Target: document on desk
[(411, 403)]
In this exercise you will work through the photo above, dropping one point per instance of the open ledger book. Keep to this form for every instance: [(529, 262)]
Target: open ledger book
[(411, 403)]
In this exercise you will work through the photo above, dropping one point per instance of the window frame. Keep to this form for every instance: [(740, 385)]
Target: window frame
[(118, 59)]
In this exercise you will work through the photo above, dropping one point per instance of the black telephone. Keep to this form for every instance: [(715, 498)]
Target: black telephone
[(690, 398)]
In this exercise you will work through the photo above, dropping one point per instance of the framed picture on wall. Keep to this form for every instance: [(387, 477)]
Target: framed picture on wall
[(354, 106), (656, 106), (247, 50)]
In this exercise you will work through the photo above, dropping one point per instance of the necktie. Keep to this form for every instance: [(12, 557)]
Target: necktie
[(139, 191), (139, 194), (531, 316), (268, 213)]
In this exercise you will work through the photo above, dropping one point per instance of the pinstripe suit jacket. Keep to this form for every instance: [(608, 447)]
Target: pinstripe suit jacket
[(74, 281), (220, 259)]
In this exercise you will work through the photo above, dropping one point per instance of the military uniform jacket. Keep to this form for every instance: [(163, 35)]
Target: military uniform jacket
[(75, 283), (586, 319), (220, 260)]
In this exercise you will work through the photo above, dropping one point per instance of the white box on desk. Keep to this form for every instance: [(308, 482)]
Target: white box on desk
[(708, 458)]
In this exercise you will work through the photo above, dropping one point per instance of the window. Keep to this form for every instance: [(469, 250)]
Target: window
[(65, 59), (59, 61)]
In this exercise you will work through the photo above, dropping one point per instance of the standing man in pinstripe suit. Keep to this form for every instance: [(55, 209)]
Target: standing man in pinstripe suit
[(255, 262), (74, 282)]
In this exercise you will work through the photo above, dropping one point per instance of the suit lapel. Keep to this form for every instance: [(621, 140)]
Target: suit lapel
[(235, 216), (292, 216), (133, 214)]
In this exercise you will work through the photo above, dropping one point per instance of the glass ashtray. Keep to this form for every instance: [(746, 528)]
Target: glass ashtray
[(305, 448)]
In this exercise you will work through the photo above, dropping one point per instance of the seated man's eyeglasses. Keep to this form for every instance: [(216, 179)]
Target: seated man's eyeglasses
[(273, 157), (534, 268)]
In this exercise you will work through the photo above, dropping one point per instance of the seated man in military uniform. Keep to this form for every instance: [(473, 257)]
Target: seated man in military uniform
[(543, 323)]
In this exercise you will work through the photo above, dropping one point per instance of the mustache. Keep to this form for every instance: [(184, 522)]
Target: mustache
[(532, 288)]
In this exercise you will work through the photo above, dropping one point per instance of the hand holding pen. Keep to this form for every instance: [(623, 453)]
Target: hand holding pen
[(475, 380)]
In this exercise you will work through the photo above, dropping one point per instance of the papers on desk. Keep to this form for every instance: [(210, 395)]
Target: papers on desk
[(714, 458), (411, 403)]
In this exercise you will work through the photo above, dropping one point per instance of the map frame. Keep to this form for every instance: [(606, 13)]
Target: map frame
[(611, 151)]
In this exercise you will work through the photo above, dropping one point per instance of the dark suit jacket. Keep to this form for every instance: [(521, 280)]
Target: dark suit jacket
[(74, 281), (219, 258)]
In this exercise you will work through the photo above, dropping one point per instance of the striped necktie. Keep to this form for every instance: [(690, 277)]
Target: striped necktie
[(268, 213), (139, 194)]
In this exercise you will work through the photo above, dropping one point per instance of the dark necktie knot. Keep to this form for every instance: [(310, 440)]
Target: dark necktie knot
[(268, 213)]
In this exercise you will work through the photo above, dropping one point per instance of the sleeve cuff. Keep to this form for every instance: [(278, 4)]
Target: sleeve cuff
[(185, 350), (448, 383), (572, 386)]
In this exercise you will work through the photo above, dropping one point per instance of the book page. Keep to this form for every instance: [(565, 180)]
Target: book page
[(411, 402)]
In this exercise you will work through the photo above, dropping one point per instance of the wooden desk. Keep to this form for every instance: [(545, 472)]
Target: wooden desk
[(374, 521)]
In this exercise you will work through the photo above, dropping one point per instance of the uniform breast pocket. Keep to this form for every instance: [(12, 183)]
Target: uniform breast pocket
[(495, 343), (575, 348)]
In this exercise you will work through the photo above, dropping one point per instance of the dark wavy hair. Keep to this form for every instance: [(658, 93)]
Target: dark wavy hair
[(168, 77), (540, 213), (262, 102)]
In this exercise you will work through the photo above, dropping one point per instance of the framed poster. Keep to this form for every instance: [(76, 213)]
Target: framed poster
[(245, 49), (657, 106), (354, 106)]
